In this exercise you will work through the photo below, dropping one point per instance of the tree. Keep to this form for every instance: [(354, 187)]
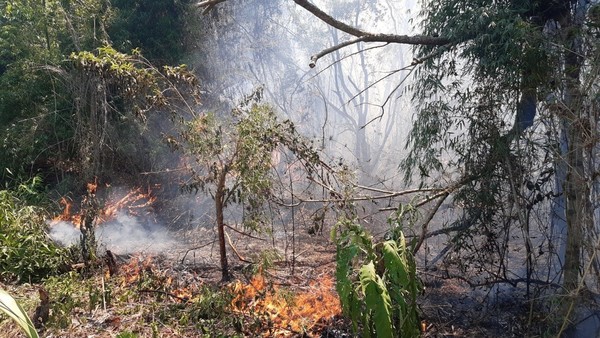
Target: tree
[(49, 105), (486, 73), (234, 161)]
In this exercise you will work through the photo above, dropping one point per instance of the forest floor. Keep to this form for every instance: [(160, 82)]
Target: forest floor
[(179, 293)]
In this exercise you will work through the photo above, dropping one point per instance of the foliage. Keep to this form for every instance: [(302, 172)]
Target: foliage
[(243, 144), (376, 282), (27, 253), (9, 306), (43, 94), (236, 158), (156, 27), (69, 292), (35, 39), (116, 91), (487, 109)]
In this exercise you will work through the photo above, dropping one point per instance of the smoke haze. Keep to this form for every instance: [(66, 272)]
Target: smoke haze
[(123, 235)]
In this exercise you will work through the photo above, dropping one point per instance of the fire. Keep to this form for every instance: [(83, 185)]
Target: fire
[(133, 271), (135, 200), (67, 215), (290, 313)]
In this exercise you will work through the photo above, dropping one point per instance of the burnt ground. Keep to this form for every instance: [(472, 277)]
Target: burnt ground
[(294, 259), (449, 306)]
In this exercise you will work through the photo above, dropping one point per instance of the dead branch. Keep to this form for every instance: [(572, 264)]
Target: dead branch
[(235, 250), (359, 34), (363, 36), (427, 221), (196, 248), (244, 233), (513, 282)]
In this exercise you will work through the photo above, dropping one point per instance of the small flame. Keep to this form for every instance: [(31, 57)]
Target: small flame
[(67, 214), (291, 314), (134, 201), (132, 272)]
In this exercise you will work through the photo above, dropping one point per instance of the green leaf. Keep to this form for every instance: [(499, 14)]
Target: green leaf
[(10, 306), (377, 300)]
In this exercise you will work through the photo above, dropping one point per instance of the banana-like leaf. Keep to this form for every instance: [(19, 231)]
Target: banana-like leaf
[(377, 301), (10, 306), (345, 254)]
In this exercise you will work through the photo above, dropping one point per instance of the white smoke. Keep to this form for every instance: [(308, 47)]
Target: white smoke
[(123, 235)]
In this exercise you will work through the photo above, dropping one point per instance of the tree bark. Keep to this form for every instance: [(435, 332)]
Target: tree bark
[(575, 188), (219, 207)]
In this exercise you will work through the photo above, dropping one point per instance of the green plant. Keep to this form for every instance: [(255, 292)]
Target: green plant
[(376, 282), (27, 253), (68, 293), (10, 306), (127, 334), (233, 160)]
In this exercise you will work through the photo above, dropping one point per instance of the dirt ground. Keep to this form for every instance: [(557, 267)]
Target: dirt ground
[(449, 307)]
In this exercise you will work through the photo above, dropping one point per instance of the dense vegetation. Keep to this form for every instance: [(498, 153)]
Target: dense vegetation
[(506, 95)]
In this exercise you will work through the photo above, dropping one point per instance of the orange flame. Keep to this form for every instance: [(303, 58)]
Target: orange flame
[(67, 215), (291, 314), (132, 272), (132, 202)]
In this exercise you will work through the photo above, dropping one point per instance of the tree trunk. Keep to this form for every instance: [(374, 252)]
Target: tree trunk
[(575, 188), (219, 207)]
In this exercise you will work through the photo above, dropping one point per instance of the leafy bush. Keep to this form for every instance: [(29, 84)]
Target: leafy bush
[(376, 283), (26, 251)]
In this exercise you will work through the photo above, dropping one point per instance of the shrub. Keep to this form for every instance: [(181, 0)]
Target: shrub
[(376, 282), (26, 251)]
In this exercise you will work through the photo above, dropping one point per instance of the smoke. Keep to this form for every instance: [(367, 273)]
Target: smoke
[(123, 235)]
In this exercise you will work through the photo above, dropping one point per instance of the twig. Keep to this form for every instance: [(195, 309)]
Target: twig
[(244, 233), (196, 248), (427, 221), (512, 282), (235, 250), (183, 299), (103, 295)]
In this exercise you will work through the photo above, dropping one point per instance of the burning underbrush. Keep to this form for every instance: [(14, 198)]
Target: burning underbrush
[(283, 312), (155, 297), (125, 223)]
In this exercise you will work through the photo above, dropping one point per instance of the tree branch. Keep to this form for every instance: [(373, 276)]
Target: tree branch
[(359, 34), (208, 5), (363, 36), (328, 19)]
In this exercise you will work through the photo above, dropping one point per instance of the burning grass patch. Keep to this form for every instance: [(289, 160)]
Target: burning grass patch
[(284, 311), (156, 297)]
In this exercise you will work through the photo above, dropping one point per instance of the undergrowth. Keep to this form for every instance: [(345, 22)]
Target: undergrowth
[(376, 282), (27, 254)]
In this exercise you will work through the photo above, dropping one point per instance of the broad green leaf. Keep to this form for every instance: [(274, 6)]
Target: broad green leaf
[(377, 300)]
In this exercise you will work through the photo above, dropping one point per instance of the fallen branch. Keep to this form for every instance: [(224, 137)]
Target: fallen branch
[(196, 248), (235, 250), (244, 233)]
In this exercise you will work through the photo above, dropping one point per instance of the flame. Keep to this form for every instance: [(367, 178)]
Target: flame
[(290, 313), (67, 214), (132, 271), (135, 200)]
